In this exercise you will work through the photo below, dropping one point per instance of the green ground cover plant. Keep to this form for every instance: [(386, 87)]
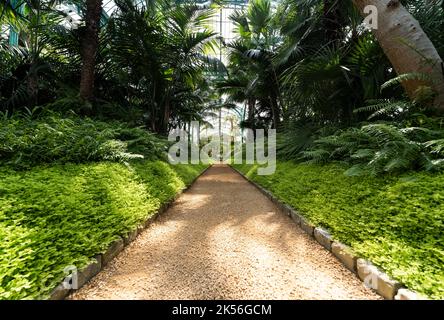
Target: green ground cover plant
[(397, 222), (60, 215)]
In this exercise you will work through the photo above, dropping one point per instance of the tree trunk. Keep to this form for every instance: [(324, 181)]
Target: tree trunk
[(332, 24), (33, 86), (90, 43), (153, 124), (220, 124), (251, 113), (407, 46), (275, 111), (251, 106), (166, 118)]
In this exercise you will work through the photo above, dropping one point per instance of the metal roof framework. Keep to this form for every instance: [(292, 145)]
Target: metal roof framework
[(221, 23)]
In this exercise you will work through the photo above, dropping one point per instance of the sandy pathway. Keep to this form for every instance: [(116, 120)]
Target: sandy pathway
[(223, 239)]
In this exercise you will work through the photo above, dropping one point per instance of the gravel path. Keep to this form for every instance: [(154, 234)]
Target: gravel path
[(223, 239)]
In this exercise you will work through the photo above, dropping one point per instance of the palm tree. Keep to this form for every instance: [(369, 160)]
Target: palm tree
[(162, 49), (407, 46), (33, 20), (253, 77), (9, 12), (327, 74), (90, 42)]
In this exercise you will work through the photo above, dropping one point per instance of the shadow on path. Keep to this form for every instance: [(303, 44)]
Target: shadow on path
[(223, 239)]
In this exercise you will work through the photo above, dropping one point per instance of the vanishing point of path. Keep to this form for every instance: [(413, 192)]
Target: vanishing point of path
[(223, 239)]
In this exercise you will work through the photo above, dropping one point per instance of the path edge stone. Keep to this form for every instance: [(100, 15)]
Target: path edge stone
[(323, 237), (344, 254), (385, 286), (101, 260)]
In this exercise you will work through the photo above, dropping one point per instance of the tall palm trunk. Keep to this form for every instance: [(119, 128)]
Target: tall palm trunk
[(251, 114), (251, 107), (332, 24), (220, 124), (90, 43), (275, 111), (34, 50), (166, 118), (407, 46)]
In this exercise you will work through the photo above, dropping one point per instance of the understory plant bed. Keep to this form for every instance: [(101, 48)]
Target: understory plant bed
[(397, 222), (64, 215)]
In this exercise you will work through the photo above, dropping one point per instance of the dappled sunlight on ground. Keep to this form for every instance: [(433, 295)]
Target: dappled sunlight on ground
[(223, 239)]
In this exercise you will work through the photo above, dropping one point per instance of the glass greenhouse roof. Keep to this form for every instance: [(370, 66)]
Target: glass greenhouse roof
[(109, 5), (220, 23)]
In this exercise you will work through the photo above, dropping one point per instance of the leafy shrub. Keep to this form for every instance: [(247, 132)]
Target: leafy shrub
[(380, 148), (395, 221), (143, 142), (407, 136), (63, 215), (299, 136), (25, 142)]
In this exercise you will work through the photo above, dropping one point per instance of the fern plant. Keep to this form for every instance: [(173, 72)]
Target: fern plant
[(381, 148), (25, 142)]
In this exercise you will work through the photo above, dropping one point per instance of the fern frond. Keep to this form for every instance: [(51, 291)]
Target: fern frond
[(386, 107), (413, 76), (435, 146)]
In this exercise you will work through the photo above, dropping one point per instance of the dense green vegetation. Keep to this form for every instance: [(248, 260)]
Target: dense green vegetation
[(26, 142), (53, 217), (395, 221), (312, 71), (149, 67), (85, 106), (81, 167)]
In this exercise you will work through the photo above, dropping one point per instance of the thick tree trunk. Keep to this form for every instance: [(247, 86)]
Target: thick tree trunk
[(406, 45), (90, 43)]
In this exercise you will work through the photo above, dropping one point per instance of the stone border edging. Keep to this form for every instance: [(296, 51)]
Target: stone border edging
[(377, 280), (101, 260)]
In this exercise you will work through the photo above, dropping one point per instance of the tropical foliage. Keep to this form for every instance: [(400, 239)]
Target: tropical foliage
[(26, 142), (150, 63), (86, 101), (313, 71)]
